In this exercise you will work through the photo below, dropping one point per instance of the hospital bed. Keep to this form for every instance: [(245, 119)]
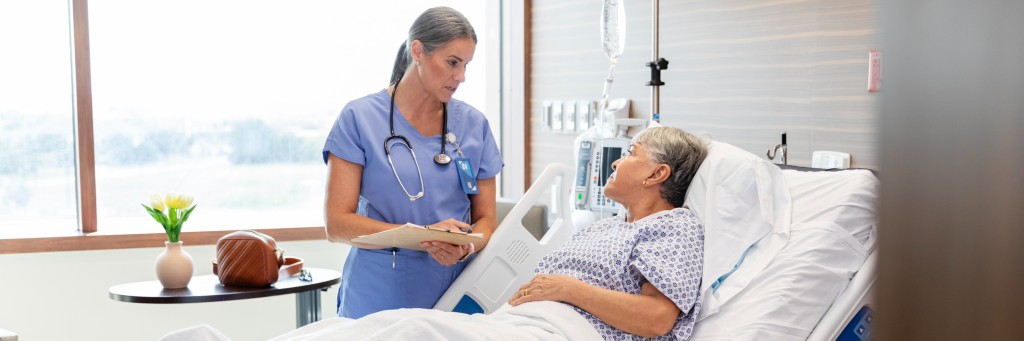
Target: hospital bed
[(789, 251), (791, 257)]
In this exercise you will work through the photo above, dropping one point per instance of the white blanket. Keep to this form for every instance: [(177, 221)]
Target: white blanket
[(531, 321)]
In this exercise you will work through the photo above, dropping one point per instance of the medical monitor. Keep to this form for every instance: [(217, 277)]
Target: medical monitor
[(605, 152)]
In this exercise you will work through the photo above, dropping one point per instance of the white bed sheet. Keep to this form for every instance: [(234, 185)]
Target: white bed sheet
[(530, 321), (786, 300), (849, 198)]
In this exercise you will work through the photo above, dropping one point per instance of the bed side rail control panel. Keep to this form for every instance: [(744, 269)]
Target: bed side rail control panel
[(859, 328)]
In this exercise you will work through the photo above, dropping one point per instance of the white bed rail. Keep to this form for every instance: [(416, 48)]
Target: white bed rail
[(512, 252), (857, 294)]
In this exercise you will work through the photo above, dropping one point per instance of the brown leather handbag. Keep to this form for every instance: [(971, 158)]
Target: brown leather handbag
[(252, 259)]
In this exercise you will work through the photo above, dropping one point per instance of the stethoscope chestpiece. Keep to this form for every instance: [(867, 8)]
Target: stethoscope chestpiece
[(442, 159)]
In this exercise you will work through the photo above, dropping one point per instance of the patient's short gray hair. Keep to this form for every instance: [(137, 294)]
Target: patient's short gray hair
[(681, 151)]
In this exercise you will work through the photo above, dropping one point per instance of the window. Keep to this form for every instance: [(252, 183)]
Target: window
[(37, 169), (228, 101)]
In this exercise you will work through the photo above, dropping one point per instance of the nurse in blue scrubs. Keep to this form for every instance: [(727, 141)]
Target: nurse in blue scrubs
[(410, 153)]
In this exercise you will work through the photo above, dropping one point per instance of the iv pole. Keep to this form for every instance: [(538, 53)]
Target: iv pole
[(656, 65)]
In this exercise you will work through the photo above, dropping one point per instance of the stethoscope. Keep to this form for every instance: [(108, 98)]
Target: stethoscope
[(441, 159)]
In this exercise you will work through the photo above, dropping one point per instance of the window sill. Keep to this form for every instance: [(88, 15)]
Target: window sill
[(108, 241)]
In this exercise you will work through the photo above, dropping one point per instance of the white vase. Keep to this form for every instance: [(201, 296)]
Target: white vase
[(174, 266)]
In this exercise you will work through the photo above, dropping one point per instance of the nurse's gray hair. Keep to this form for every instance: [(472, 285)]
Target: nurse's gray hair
[(681, 151), (434, 28)]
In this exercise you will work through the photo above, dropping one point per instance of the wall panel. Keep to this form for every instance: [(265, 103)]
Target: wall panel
[(740, 71)]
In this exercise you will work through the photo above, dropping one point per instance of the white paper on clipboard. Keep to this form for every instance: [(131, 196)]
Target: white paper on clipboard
[(409, 236)]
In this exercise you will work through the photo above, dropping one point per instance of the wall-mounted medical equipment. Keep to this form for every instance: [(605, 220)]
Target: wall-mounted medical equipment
[(570, 116), (781, 150), (595, 151), (593, 168)]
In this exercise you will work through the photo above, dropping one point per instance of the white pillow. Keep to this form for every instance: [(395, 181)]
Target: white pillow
[(849, 198), (740, 198)]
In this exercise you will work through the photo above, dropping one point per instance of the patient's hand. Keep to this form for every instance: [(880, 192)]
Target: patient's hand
[(558, 288)]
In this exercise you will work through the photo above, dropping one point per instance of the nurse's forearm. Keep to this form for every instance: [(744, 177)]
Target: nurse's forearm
[(343, 227), (484, 211), (341, 222)]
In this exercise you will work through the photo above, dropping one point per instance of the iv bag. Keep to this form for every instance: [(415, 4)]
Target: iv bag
[(613, 28)]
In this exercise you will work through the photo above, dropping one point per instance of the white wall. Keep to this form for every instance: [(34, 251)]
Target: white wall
[(64, 296)]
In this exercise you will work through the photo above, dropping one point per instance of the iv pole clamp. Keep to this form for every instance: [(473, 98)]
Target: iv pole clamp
[(655, 71), (656, 67)]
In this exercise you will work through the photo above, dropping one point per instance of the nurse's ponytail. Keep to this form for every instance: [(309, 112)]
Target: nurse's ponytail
[(401, 63)]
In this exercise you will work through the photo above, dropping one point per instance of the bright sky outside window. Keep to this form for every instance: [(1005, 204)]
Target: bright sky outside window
[(230, 101), (37, 174)]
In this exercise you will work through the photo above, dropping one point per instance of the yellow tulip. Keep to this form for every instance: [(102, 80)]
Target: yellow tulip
[(178, 201), (157, 203), (171, 200), (185, 201)]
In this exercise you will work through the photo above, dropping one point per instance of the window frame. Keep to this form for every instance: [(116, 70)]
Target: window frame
[(88, 236)]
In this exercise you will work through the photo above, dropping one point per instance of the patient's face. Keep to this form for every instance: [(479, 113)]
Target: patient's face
[(630, 172)]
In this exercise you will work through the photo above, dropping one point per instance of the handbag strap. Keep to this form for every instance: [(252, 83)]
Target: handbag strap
[(292, 266)]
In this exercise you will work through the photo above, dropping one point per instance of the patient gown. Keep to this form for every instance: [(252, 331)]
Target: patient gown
[(665, 249)]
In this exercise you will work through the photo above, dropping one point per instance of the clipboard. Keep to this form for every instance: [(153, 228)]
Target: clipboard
[(409, 236)]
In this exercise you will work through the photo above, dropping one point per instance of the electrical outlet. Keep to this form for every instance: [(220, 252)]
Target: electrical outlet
[(830, 159), (545, 115), (569, 117), (584, 112), (556, 116)]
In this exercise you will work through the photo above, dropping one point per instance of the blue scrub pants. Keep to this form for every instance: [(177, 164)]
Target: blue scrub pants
[(370, 284)]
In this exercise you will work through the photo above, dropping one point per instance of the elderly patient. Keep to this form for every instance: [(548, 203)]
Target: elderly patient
[(629, 276), (637, 274)]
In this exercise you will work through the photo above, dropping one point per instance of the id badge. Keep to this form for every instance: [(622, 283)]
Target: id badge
[(466, 176)]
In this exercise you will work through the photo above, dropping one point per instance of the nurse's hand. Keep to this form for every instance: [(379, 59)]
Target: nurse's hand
[(451, 225), (444, 253)]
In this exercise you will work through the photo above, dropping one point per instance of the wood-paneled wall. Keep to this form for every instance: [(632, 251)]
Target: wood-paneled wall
[(740, 71)]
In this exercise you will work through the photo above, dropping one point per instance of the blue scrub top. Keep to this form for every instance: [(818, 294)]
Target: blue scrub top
[(369, 281)]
